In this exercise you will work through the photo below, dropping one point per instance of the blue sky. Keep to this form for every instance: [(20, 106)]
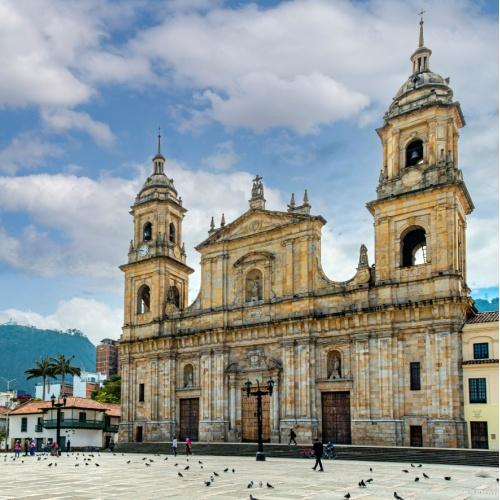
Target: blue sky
[(290, 90)]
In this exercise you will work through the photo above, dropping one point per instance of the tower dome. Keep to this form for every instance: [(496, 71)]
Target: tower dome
[(423, 87)]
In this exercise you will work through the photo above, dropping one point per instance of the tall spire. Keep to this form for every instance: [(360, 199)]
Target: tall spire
[(421, 35), (159, 159)]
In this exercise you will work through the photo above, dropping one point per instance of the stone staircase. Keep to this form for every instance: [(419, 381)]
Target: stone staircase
[(451, 456)]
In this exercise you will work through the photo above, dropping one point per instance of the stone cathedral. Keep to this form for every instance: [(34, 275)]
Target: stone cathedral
[(372, 360)]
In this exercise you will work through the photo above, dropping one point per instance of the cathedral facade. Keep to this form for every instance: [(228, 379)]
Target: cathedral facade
[(372, 360)]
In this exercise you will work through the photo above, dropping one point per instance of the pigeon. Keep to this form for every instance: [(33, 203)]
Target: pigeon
[(55, 465), (369, 480), (412, 465), (208, 483), (419, 465), (371, 470), (76, 465), (447, 478), (151, 460), (128, 461), (215, 474), (97, 465), (362, 484), (397, 497), (404, 470), (201, 466), (179, 474), (144, 458), (233, 471), (200, 462), (50, 465), (269, 485), (211, 479), (187, 467), (417, 479), (175, 465), (147, 465), (226, 469), (86, 463), (347, 495), (165, 459), (250, 484), (253, 498), (426, 476)]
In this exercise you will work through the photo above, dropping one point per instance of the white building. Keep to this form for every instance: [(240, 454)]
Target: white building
[(81, 386), (84, 422)]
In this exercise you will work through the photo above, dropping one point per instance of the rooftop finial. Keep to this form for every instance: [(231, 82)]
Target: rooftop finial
[(159, 141), (212, 225), (257, 200), (421, 35)]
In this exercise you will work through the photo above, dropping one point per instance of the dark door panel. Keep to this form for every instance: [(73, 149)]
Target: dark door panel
[(189, 418), (336, 417)]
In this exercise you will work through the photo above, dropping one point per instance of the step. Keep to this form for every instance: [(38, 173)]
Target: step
[(450, 456)]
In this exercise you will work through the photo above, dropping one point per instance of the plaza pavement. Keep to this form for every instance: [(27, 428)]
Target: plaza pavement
[(127, 477)]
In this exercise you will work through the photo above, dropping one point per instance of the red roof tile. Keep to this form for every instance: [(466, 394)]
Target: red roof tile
[(113, 410), (483, 317)]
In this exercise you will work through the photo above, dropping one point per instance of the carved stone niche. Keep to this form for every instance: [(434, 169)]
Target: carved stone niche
[(334, 365), (188, 376), (254, 278)]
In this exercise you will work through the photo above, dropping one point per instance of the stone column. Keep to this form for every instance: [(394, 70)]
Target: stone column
[(288, 407), (169, 395), (205, 394), (232, 432), (219, 413)]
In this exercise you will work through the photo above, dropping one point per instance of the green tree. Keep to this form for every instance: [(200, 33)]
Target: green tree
[(110, 391), (62, 366), (43, 368)]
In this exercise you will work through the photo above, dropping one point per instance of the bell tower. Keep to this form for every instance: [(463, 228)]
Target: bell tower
[(422, 201), (156, 275)]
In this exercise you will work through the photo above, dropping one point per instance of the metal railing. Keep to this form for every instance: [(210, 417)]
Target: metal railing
[(74, 423)]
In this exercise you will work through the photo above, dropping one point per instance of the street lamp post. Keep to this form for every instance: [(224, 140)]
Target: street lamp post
[(260, 457), (58, 406)]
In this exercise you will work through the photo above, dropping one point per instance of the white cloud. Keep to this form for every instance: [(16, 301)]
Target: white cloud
[(26, 151), (224, 158), (95, 319), (65, 119)]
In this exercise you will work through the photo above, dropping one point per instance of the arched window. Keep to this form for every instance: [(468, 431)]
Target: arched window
[(147, 232), (253, 286), (414, 247), (173, 296), (414, 153), (334, 365), (143, 300), (188, 375), (171, 232)]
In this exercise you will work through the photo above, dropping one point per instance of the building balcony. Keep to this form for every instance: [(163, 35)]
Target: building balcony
[(74, 423), (38, 428), (111, 428)]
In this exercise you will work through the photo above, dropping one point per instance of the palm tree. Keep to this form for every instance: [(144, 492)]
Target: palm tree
[(44, 369), (62, 366)]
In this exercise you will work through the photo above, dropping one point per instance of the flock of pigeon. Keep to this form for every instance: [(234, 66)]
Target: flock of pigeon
[(87, 459)]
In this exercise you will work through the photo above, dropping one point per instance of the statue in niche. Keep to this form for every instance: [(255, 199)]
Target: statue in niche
[(334, 364), (188, 376), (253, 286)]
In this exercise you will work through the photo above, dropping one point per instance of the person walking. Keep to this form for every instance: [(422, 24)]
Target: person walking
[(318, 453), (17, 449), (292, 437), (32, 447), (174, 446), (188, 446)]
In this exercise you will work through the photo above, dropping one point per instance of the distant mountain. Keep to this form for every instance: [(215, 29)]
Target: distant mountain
[(484, 305), (21, 346)]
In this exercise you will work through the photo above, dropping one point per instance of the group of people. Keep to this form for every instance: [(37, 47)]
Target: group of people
[(30, 447), (189, 443)]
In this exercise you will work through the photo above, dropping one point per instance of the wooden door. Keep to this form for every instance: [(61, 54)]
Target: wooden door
[(190, 416), (336, 417), (249, 431), (479, 435), (416, 435)]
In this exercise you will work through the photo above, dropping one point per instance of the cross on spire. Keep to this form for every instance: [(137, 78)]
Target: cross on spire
[(421, 35), (159, 141)]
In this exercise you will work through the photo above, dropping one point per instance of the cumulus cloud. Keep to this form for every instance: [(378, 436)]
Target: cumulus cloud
[(224, 157), (95, 319), (65, 119), (26, 151)]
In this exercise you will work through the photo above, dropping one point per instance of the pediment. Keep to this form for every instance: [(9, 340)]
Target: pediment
[(253, 222)]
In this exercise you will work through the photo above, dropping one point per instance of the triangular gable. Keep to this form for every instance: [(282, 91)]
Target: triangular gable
[(253, 222)]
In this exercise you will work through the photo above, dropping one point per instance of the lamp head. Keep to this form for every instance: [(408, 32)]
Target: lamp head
[(270, 385), (248, 386), (53, 399)]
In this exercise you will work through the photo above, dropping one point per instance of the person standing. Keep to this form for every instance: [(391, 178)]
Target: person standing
[(32, 447), (174, 446), (188, 445), (318, 453), (26, 446), (292, 437), (17, 449), (68, 446)]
